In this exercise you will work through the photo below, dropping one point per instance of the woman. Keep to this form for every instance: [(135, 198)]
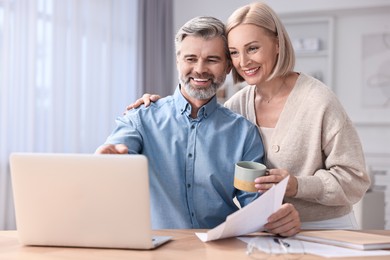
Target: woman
[(306, 132)]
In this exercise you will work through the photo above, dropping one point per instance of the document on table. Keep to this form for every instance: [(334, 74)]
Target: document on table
[(250, 218), (297, 246)]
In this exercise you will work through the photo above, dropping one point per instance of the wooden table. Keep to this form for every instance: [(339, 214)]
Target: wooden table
[(185, 245)]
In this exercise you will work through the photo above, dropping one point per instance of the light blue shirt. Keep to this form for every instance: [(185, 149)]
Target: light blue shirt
[(191, 161)]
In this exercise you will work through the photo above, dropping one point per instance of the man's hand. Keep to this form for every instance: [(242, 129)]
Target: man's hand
[(285, 221), (112, 149)]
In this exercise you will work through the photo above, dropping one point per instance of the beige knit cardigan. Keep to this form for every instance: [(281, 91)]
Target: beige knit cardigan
[(315, 140)]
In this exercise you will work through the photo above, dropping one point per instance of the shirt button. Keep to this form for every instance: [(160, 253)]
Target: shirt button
[(275, 148), (192, 214), (190, 155), (188, 185), (192, 127)]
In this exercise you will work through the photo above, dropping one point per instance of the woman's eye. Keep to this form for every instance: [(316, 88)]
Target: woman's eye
[(253, 49), (233, 53)]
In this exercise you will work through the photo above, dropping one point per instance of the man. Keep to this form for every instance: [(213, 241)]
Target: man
[(192, 143)]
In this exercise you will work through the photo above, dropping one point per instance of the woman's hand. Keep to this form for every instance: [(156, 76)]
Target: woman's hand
[(146, 100), (285, 221), (275, 176)]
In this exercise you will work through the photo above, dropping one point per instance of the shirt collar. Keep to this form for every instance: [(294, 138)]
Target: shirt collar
[(183, 107)]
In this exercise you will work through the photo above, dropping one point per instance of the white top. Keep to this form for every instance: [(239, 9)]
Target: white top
[(266, 135)]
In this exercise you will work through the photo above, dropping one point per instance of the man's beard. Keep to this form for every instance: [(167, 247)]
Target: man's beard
[(201, 93)]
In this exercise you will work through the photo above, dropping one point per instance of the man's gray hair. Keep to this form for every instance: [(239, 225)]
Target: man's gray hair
[(206, 27)]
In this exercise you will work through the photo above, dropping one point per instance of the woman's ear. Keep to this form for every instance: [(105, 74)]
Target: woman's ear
[(277, 45)]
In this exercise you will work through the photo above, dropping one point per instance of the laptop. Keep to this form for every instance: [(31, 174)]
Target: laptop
[(83, 200)]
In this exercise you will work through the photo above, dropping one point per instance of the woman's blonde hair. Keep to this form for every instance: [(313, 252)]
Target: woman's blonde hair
[(260, 14)]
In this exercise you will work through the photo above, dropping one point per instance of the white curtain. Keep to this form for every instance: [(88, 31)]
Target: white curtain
[(67, 70)]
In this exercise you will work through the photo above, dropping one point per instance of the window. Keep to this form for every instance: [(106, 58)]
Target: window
[(67, 70)]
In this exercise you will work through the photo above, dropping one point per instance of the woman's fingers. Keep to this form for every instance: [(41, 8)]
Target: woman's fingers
[(285, 221), (146, 99)]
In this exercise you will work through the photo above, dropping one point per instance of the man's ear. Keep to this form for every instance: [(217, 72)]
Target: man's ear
[(177, 63), (177, 57)]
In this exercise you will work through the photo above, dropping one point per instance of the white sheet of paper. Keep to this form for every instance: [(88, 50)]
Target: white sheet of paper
[(317, 248), (250, 218)]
